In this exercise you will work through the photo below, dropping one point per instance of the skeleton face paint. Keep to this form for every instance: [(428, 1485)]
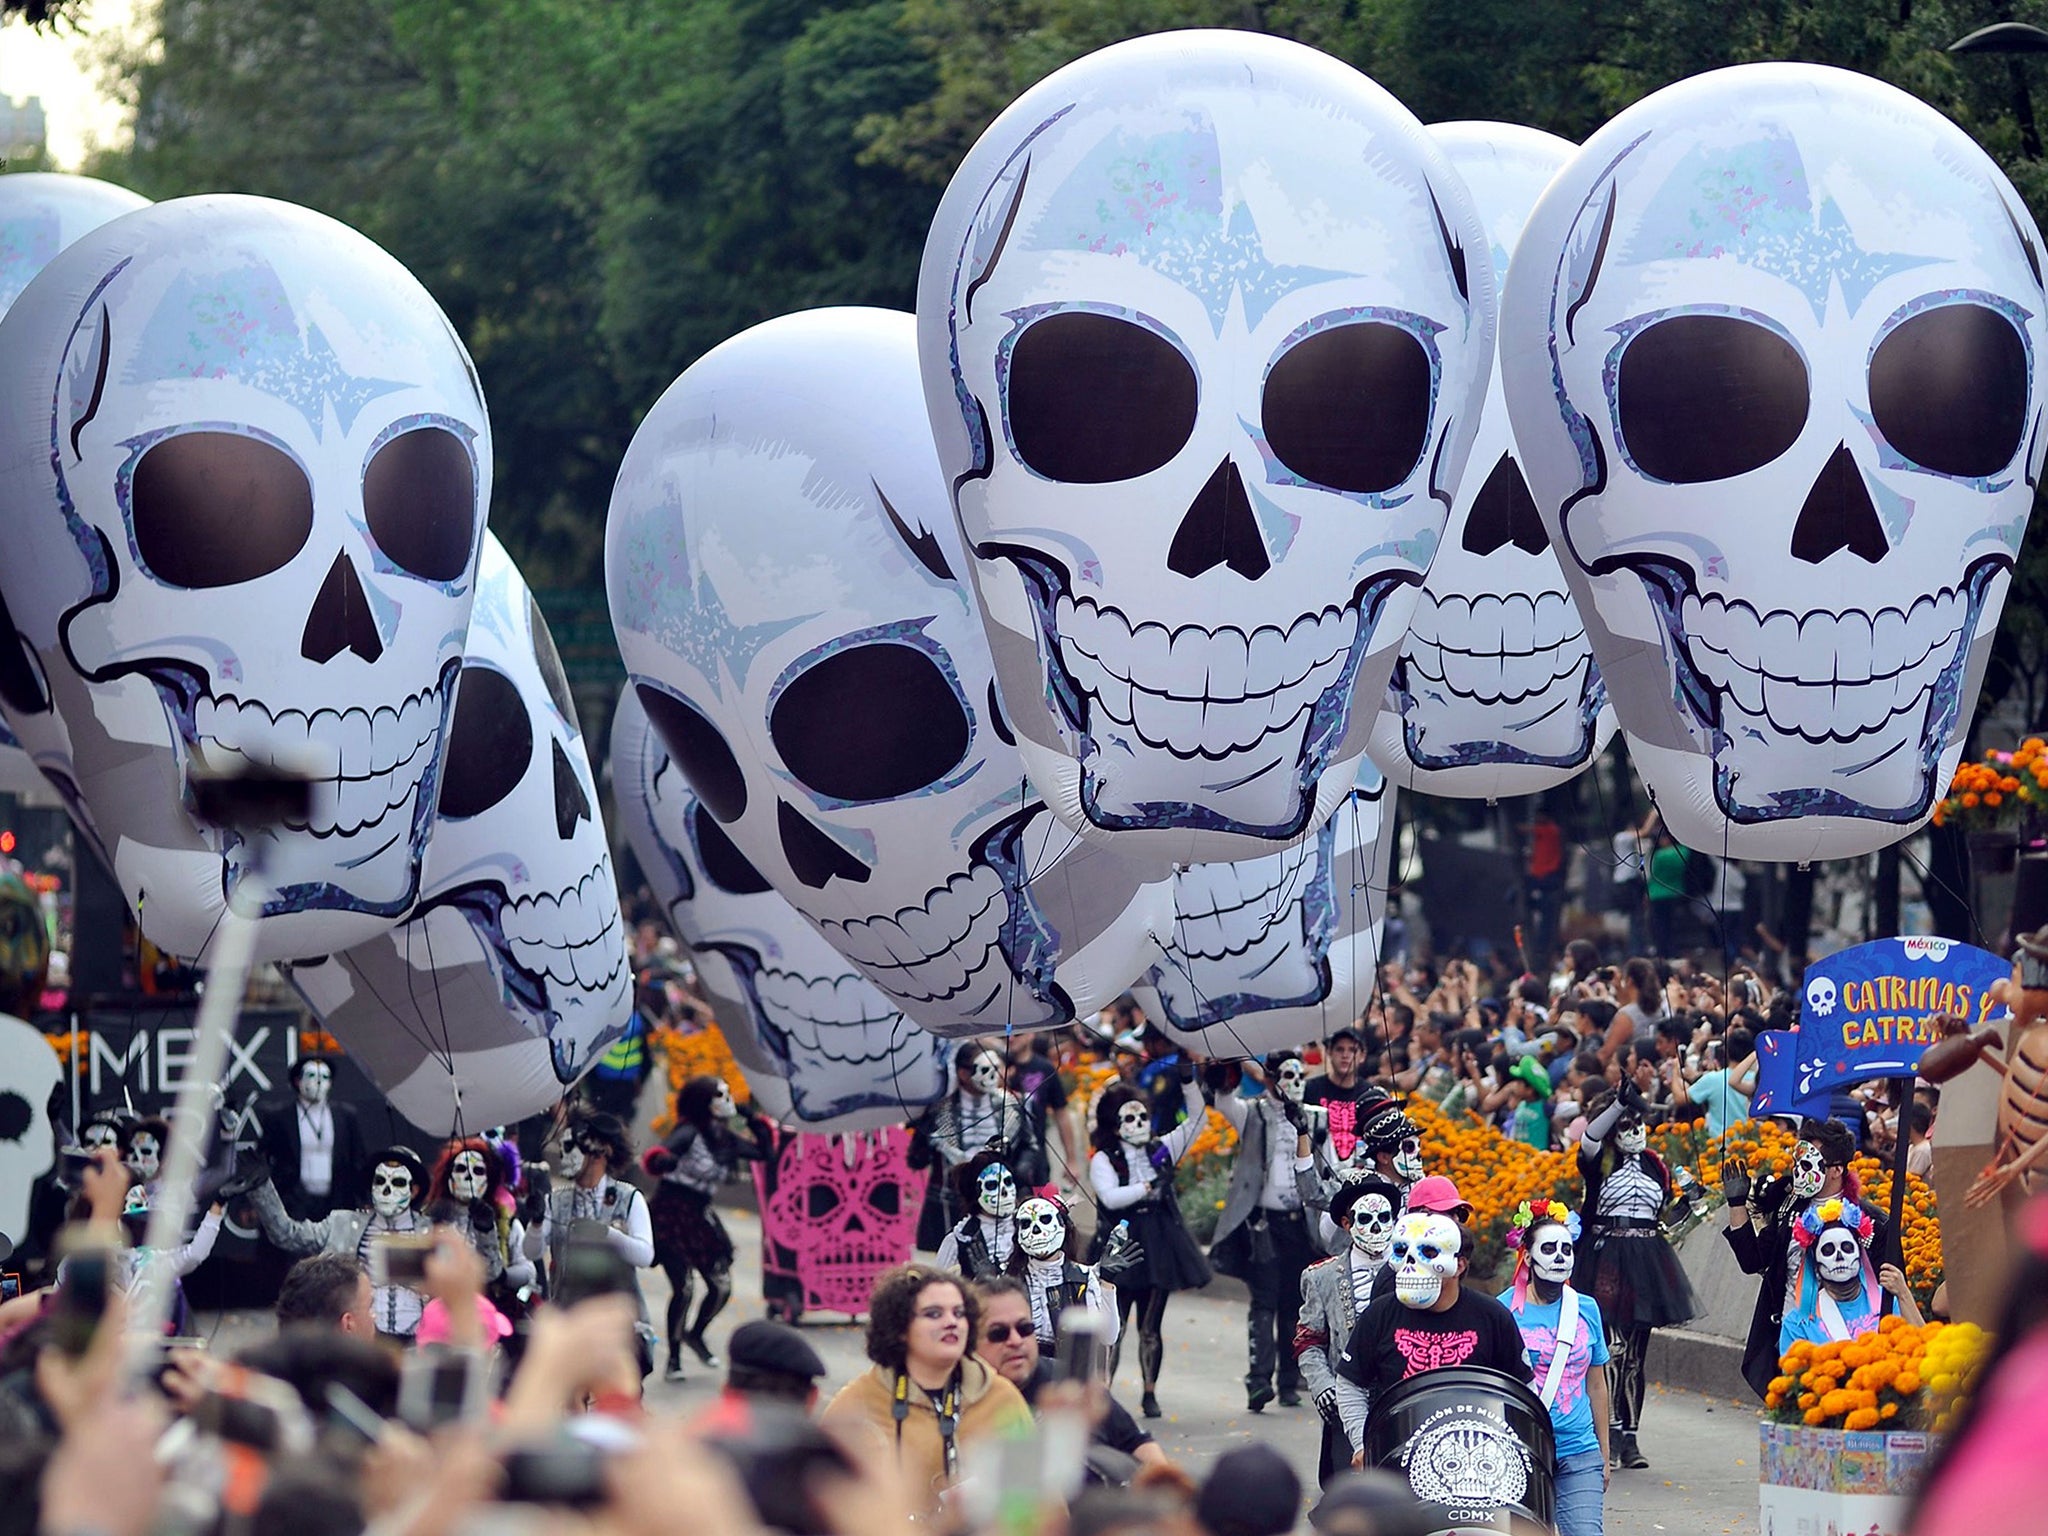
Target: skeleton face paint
[(1550, 1254), (1856, 362), (1808, 1171), (1425, 1257), (1041, 1232), (468, 1177), (1372, 1228), (723, 1105), (1408, 1160), (1838, 1256), (987, 1074), (1631, 1139), (1292, 1080), (996, 1192), (390, 1190), (1199, 603), (99, 1134), (316, 1080), (1134, 1125), (568, 1161), (145, 1156)]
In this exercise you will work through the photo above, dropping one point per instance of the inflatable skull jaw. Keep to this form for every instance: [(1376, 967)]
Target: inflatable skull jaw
[(901, 827), (1425, 1255), (1041, 1230), (1855, 358), (1239, 320), (313, 618)]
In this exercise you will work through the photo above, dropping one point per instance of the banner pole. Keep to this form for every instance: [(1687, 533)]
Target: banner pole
[(1902, 1141)]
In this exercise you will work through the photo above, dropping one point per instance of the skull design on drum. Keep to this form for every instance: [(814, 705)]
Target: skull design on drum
[(1206, 324)]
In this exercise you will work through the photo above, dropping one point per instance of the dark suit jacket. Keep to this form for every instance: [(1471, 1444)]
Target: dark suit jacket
[(281, 1147), (1762, 1247)]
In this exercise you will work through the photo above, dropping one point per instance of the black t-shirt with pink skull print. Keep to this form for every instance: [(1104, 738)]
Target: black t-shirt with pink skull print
[(1392, 1341)]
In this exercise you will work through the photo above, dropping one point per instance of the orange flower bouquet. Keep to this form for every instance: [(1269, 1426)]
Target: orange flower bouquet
[(1879, 1380), (699, 1052), (1999, 791)]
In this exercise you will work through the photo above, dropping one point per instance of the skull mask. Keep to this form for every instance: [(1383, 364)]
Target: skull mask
[(1408, 1159), (1495, 692), (569, 1159), (1425, 1256), (1550, 1253), (263, 519), (986, 1074), (511, 977), (723, 1105), (1820, 996), (1372, 1228), (1041, 1230), (792, 1007), (100, 1133), (469, 1176), (390, 1190), (29, 1073), (786, 585), (1154, 298), (1265, 951), (1630, 1138), (1292, 1079), (316, 1081), (996, 1192), (144, 1156), (1838, 1256), (1772, 359), (1134, 1125), (1809, 1172)]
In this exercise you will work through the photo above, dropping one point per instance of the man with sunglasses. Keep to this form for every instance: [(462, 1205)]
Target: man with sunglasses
[(1008, 1343)]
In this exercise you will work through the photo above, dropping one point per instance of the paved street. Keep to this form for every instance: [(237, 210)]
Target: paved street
[(1702, 1477)]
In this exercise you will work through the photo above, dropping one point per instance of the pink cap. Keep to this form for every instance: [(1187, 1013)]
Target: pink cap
[(434, 1322), (1435, 1193)]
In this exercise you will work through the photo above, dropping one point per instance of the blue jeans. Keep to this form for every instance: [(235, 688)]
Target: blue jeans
[(1580, 1493)]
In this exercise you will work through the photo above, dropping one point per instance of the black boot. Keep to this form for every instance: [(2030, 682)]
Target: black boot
[(1631, 1457), (699, 1348)]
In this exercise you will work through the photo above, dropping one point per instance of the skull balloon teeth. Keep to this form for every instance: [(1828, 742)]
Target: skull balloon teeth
[(1470, 656)]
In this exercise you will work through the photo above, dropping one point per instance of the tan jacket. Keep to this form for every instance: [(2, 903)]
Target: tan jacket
[(989, 1406)]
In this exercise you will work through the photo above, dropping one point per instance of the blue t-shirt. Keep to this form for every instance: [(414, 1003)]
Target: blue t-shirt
[(1858, 1315), (1725, 1107), (1571, 1415)]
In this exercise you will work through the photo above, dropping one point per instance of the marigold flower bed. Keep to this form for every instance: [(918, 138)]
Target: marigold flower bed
[(1899, 1377)]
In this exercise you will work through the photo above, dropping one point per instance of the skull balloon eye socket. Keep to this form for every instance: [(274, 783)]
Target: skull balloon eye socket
[(1092, 399), (872, 722), (549, 660), (724, 865), (211, 509), (1349, 407), (693, 741), (419, 497), (1708, 397), (489, 743), (1948, 389)]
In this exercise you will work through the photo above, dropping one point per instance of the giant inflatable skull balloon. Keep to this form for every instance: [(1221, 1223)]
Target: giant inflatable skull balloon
[(821, 1048), (786, 588), (1495, 692), (247, 471), (1269, 952), (511, 978), (29, 1074), (1205, 319), (40, 214), (1773, 351)]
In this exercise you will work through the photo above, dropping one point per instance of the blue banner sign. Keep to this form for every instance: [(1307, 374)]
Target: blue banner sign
[(1871, 1011)]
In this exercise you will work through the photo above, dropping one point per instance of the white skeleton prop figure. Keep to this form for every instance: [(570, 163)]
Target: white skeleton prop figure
[(1266, 952), (1206, 320), (1495, 692), (29, 1073), (821, 1047), (1425, 1257), (397, 1188), (511, 977), (40, 214), (253, 464), (785, 583), (1772, 353)]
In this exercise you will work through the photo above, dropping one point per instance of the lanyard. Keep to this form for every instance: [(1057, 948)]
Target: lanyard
[(947, 1408)]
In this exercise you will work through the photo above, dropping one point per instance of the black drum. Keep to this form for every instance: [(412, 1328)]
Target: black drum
[(1473, 1444)]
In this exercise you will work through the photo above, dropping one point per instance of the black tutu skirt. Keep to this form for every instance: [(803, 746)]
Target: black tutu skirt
[(687, 1231), (1173, 1259), (1636, 1277)]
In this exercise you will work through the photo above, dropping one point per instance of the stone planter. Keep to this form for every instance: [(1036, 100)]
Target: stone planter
[(1837, 1482)]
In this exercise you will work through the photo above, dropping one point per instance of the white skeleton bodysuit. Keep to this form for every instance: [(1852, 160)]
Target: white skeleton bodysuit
[(1631, 1192), (394, 1308)]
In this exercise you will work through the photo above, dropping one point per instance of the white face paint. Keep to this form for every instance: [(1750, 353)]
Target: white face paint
[(390, 1189), (987, 1074), (316, 1081), (1425, 1256), (99, 1134), (1041, 1232), (569, 1161), (1808, 1172), (1134, 1125), (145, 1155), (1292, 1080), (1408, 1160), (1838, 1256), (1372, 1228), (1631, 1139), (996, 1192), (1550, 1254), (723, 1106), (468, 1178)]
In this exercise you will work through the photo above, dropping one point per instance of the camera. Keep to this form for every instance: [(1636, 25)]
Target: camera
[(439, 1387), (82, 1291), (591, 1266), (400, 1258), (566, 1473), (1083, 1353)]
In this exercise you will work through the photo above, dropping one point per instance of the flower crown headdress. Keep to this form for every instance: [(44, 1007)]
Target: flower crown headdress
[(1834, 1212), (1532, 1212)]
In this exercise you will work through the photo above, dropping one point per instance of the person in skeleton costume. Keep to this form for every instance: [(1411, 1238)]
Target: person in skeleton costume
[(1334, 1293), (1838, 1294), (703, 1153), (177, 1262), (983, 1243), (398, 1184), (597, 1145), (1761, 1217), (1051, 1277), (103, 1128), (1132, 1172), (143, 1144), (472, 1193), (315, 1145), (1566, 1344), (1428, 1320), (1383, 1142), (978, 1112), (1626, 1264), (1263, 1234)]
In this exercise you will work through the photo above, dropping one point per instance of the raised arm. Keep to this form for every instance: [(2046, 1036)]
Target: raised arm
[(1182, 1136), (279, 1229)]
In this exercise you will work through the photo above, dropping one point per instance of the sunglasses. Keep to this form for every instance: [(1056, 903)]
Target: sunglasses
[(999, 1333)]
